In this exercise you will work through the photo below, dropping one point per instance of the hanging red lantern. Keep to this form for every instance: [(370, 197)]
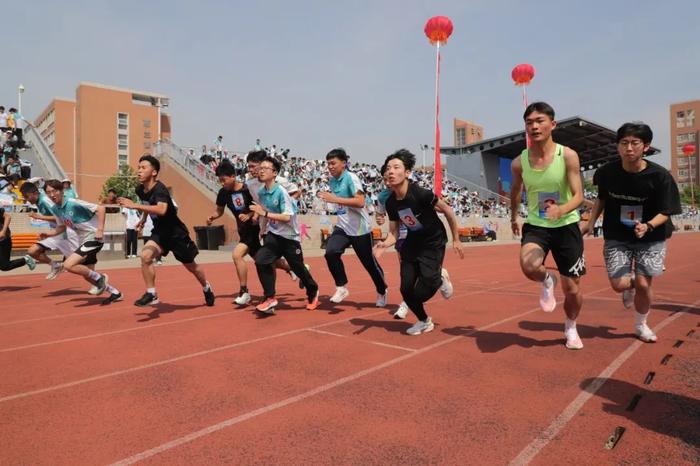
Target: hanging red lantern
[(522, 74), (689, 149), (438, 29)]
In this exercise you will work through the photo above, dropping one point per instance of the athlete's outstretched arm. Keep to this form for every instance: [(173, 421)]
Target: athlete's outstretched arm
[(442, 206)]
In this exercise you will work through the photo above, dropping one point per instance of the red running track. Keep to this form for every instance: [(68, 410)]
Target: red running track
[(181, 383)]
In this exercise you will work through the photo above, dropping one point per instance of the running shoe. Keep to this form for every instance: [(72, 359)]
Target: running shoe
[(547, 300), (242, 299), (113, 297), (421, 327), (101, 283), (312, 304), (446, 289), (94, 290), (402, 311), (31, 263), (267, 306), (644, 333), (209, 297), (628, 296), (340, 294), (382, 298), (573, 341), (56, 268), (148, 299)]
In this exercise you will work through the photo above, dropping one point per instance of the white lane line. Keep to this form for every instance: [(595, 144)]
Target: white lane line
[(378, 343), (547, 435), (302, 396), (175, 359), (116, 332)]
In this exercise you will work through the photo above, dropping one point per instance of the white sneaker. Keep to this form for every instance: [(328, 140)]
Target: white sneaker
[(402, 311), (381, 299), (242, 299), (421, 327), (94, 290), (547, 300), (446, 288), (56, 268), (628, 296), (573, 341), (644, 333), (340, 294)]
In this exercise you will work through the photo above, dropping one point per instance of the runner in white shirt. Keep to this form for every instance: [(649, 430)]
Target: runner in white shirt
[(352, 229)]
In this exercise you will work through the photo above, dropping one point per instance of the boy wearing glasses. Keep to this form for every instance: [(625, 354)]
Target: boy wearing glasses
[(637, 197)]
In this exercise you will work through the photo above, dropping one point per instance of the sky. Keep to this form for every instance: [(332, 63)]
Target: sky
[(314, 75)]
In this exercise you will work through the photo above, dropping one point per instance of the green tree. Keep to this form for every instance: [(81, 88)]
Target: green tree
[(686, 197), (124, 182), (589, 186)]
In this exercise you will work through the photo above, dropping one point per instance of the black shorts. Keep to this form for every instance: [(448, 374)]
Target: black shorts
[(89, 250), (182, 246), (250, 236), (566, 244)]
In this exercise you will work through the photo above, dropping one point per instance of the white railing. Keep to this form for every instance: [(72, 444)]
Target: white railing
[(191, 164), (484, 193), (43, 153)]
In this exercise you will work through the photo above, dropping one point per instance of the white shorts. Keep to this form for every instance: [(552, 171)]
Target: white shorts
[(66, 246)]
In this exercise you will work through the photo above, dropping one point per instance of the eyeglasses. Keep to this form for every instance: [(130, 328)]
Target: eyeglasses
[(635, 143), (265, 168)]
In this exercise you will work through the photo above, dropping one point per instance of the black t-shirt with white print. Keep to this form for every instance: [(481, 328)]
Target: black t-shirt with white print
[(238, 202), (163, 225), (417, 212), (632, 198)]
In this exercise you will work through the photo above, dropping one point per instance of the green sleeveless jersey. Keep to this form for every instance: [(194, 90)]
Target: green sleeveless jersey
[(545, 187)]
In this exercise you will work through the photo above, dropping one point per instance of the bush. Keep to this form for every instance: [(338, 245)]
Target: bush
[(124, 182)]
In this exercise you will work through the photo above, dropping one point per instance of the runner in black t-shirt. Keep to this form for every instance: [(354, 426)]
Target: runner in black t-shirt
[(235, 195), (637, 197), (6, 247), (423, 251), (169, 233)]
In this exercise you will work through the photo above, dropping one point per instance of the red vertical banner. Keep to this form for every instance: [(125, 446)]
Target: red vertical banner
[(437, 166)]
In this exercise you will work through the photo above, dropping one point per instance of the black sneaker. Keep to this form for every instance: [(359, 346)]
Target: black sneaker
[(147, 299), (209, 297), (112, 298), (101, 284)]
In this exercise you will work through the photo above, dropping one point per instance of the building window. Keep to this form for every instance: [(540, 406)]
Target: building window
[(147, 135), (122, 120), (146, 123), (123, 147), (122, 138), (146, 145), (461, 137), (690, 118), (122, 159), (680, 119)]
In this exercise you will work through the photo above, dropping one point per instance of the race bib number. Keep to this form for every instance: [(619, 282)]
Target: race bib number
[(410, 220), (238, 201), (341, 210), (544, 200), (630, 215)]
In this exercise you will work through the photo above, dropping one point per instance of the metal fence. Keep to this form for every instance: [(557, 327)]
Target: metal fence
[(191, 164)]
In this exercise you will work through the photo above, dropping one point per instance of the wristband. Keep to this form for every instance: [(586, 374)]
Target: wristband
[(650, 227)]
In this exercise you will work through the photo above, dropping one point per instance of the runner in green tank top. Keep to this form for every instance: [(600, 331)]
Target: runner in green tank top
[(551, 176)]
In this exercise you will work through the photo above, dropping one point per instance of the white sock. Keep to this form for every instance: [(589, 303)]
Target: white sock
[(151, 290), (569, 325), (207, 287), (94, 276), (640, 319), (54, 264), (112, 290), (548, 280)]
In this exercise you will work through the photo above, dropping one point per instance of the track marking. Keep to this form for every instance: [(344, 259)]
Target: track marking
[(302, 396), (378, 343), (547, 435)]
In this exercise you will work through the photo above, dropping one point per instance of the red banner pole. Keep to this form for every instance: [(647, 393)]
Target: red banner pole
[(437, 166), (527, 138)]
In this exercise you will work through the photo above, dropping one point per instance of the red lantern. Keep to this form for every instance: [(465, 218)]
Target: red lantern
[(689, 149), (438, 29), (522, 74)]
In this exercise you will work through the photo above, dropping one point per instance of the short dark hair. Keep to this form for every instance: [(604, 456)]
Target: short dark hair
[(406, 157), (225, 168), (338, 153), (275, 163), (383, 169), (12, 109), (539, 107), (152, 160), (256, 156), (28, 188), (112, 190), (637, 129), (55, 184)]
